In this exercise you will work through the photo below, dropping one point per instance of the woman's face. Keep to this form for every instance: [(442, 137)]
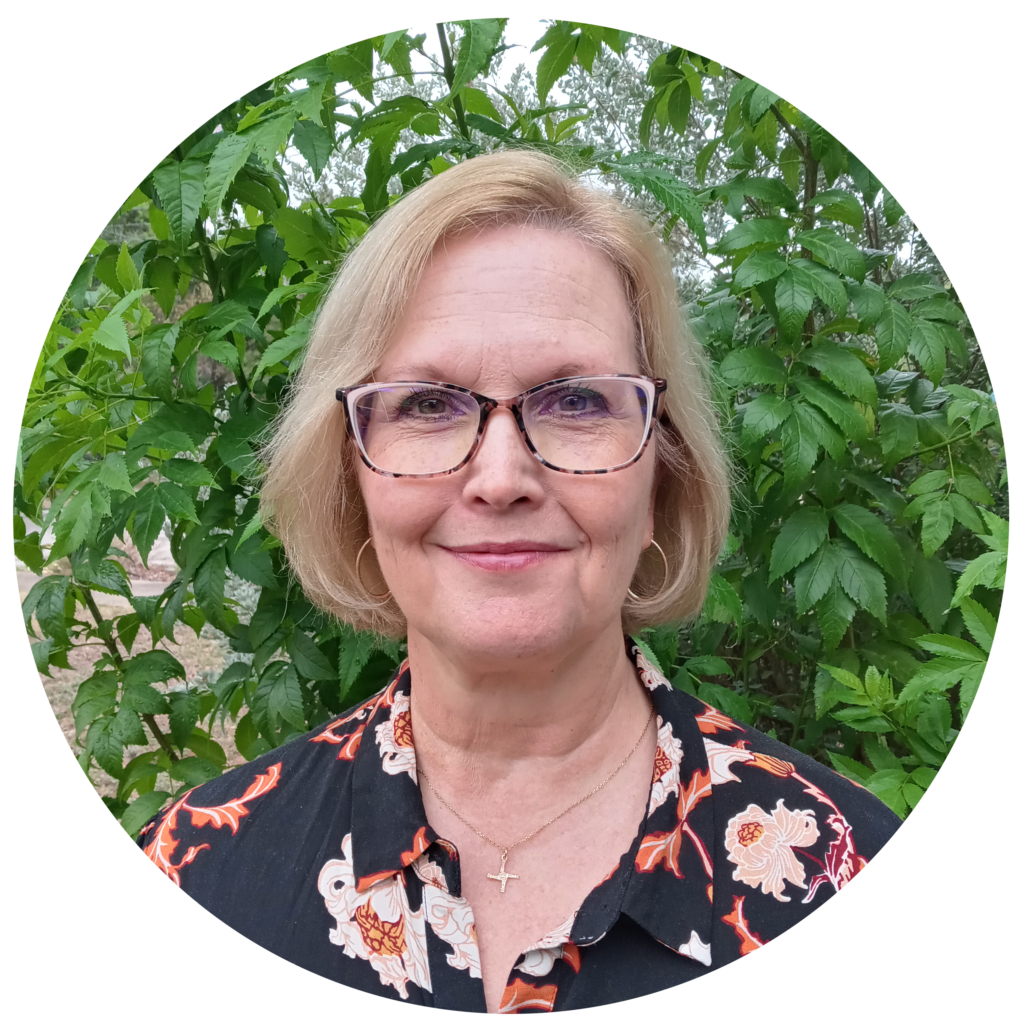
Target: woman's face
[(500, 312)]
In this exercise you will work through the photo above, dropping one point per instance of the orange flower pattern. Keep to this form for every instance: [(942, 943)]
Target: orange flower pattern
[(321, 851)]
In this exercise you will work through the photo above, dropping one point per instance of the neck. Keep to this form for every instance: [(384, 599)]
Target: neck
[(551, 708)]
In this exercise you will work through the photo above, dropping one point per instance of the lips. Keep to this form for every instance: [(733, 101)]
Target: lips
[(506, 548), (504, 556)]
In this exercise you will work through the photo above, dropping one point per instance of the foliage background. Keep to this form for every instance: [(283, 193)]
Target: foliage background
[(870, 528)]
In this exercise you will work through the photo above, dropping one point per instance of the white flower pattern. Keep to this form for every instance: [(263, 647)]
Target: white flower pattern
[(667, 758), (377, 924), (394, 738)]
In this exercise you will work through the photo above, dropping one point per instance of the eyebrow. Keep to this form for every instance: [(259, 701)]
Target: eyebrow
[(429, 371)]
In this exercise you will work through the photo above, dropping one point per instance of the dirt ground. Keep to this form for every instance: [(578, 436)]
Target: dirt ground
[(199, 655)]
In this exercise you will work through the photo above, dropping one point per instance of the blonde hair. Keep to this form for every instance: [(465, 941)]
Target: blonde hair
[(310, 494)]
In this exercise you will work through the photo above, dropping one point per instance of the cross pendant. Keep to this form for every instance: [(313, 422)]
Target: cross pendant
[(503, 876)]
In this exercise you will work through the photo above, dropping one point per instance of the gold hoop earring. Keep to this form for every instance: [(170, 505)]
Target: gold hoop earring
[(664, 582), (386, 596)]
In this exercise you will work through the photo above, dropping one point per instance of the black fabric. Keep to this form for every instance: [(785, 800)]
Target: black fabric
[(321, 852)]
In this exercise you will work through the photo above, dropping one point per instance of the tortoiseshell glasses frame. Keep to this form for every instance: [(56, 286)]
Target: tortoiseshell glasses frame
[(653, 387)]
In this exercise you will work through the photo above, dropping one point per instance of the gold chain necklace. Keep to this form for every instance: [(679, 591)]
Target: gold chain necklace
[(503, 876)]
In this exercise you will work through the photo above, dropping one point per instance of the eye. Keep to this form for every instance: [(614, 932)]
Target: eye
[(575, 402), (431, 406)]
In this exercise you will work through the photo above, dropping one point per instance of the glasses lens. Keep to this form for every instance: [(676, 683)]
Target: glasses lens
[(416, 429), (588, 423)]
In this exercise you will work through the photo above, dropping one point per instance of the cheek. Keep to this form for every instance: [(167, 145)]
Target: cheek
[(400, 511)]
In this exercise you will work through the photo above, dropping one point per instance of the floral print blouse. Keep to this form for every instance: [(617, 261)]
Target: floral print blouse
[(321, 852)]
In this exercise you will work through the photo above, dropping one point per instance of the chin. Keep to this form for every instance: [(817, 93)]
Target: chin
[(501, 629)]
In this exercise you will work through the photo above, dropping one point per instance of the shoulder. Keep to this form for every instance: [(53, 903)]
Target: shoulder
[(754, 774), (274, 798)]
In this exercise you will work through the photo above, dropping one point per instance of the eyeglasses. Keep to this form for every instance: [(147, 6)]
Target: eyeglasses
[(594, 424)]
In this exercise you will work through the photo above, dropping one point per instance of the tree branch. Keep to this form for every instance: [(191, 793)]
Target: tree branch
[(449, 77), (791, 132), (108, 641)]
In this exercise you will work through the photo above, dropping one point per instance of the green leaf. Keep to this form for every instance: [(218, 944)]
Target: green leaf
[(147, 521), (103, 743), (790, 164), (838, 204), (950, 647), (849, 767), (849, 679), (142, 809), (679, 108), (892, 210), (247, 738), (183, 717), (868, 302), (208, 586), (927, 345), (113, 473), (794, 296), (842, 368), (763, 415), (745, 366), (708, 665), (872, 536), (476, 48), (353, 653), (278, 351), (987, 570), (734, 704), (177, 502), (758, 268), (308, 658), (898, 432), (834, 251), (144, 699), (834, 613), (799, 446), (980, 622), (187, 472), (193, 771), (707, 151), (555, 61), (315, 143), (801, 535), (107, 575), (863, 720), (679, 199), (820, 430), (227, 160), (112, 334), (813, 578), (892, 334), (223, 352), (827, 286), (971, 488), (839, 409), (862, 580), (932, 589), (127, 272), (759, 232), (936, 526), (722, 603), (157, 356), (209, 750), (285, 698), (152, 667), (180, 185)]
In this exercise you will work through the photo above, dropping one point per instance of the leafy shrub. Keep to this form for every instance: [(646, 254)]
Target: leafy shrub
[(866, 538)]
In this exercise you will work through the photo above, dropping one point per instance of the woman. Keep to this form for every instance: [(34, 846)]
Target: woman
[(568, 830)]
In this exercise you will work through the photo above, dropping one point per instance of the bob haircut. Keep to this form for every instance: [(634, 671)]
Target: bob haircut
[(310, 493)]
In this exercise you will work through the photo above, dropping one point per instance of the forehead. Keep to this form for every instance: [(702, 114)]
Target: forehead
[(510, 307)]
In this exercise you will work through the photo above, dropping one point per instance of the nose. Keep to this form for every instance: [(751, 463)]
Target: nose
[(503, 471)]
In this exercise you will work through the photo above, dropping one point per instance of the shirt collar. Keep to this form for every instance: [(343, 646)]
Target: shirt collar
[(663, 882)]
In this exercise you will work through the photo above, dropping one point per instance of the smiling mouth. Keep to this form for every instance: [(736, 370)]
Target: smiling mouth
[(504, 557)]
